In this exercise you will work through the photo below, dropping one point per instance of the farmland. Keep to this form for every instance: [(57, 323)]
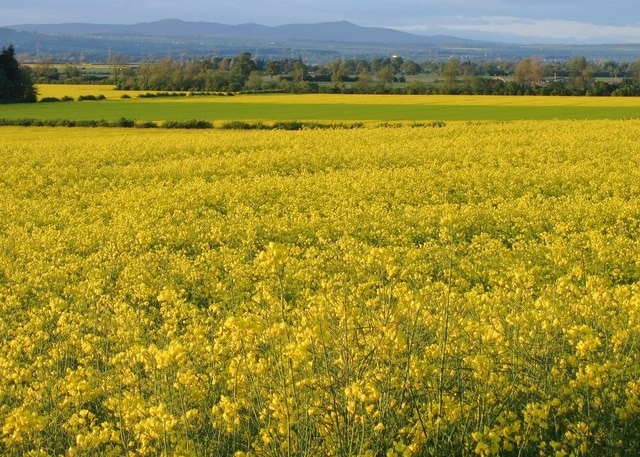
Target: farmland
[(319, 107), (470, 289)]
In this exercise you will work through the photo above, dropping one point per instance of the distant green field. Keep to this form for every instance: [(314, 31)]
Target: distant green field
[(332, 107)]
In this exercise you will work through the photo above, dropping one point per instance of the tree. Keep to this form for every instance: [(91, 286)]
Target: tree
[(377, 64), (528, 71), (385, 76), (72, 72), (119, 66), (299, 70), (274, 67), (612, 68), (241, 67), (363, 84), (634, 71), (16, 85), (193, 75), (254, 81), (161, 75), (217, 80), (338, 73), (580, 75), (417, 87), (396, 63), (45, 72), (450, 74), (410, 67), (224, 64)]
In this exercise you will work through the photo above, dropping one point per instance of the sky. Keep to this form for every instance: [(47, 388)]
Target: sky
[(514, 21)]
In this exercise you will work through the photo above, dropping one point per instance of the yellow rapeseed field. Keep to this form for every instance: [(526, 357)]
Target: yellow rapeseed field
[(76, 90), (465, 290), (110, 93)]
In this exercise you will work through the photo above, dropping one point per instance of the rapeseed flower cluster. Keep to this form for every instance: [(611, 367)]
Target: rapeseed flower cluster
[(466, 290)]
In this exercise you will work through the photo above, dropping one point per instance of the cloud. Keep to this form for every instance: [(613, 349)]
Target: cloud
[(548, 29)]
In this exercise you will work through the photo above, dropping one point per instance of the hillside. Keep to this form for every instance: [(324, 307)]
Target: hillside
[(316, 42), (341, 31)]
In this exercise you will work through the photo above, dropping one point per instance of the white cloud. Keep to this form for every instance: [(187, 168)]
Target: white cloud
[(549, 29)]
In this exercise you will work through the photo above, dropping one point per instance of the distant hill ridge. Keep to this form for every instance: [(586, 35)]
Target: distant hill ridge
[(340, 31), (316, 42)]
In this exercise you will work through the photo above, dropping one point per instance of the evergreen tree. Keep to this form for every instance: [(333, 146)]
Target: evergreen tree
[(15, 82)]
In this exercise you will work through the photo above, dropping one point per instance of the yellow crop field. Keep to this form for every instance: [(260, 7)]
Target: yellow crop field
[(460, 100), (465, 290), (76, 90), (110, 93)]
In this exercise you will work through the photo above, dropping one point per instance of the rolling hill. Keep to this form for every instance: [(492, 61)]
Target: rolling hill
[(341, 31), (315, 42)]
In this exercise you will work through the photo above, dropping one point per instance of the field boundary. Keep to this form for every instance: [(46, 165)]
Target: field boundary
[(204, 124)]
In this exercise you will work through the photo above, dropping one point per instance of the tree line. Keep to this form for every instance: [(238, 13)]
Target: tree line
[(530, 76), (385, 75)]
